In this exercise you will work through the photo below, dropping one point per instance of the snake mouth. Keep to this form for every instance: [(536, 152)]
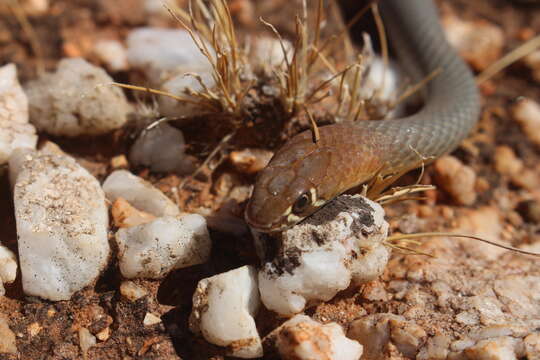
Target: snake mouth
[(265, 228)]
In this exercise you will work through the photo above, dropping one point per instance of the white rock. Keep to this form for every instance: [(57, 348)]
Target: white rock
[(8, 267), (161, 148), (302, 338), (139, 193), (76, 100), (132, 291), (381, 81), (502, 348), (15, 131), (223, 309), (157, 7), (181, 85), (161, 52), (112, 53), (527, 113), (376, 331), (62, 224), (267, 52), (8, 344), (151, 319), (323, 254), (153, 249), (86, 340)]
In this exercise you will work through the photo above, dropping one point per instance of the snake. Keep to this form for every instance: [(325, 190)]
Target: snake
[(303, 175)]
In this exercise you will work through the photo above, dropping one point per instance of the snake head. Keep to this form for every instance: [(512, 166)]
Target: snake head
[(289, 188)]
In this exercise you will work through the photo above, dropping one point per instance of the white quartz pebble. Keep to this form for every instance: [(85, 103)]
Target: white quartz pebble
[(182, 85), (62, 224), (160, 52), (112, 53), (223, 309), (161, 148), (340, 244), (153, 249), (15, 131), (139, 193), (78, 99), (8, 267), (302, 338)]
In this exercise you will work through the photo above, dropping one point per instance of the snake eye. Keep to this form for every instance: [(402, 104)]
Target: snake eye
[(301, 203)]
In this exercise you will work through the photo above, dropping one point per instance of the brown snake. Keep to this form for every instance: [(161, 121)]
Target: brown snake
[(303, 175)]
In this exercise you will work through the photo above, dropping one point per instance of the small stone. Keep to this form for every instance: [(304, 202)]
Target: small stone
[(111, 53), (119, 162), (533, 62), (161, 149), (8, 268), (457, 179), (480, 42), (78, 99), (340, 244), (62, 223), (86, 340), (35, 7), (375, 332), (506, 161), (132, 291), (8, 344), (104, 334), (15, 131), (527, 113), (184, 85), (152, 250), (532, 346), (224, 307), (139, 193), (250, 161), (302, 338), (493, 349), (269, 53), (151, 319), (34, 329), (125, 215), (162, 52)]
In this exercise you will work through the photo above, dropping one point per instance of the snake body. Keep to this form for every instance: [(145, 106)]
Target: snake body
[(303, 175)]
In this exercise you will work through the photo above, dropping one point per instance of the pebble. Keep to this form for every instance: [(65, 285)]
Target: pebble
[(340, 244), (161, 149), (139, 193), (132, 291), (184, 85), (112, 53), (86, 340), (224, 307), (526, 112), (493, 349), (161, 52), (532, 346), (152, 250), (125, 215), (8, 268), (480, 42), (376, 331), (8, 345), (533, 62), (506, 161), (15, 131), (78, 99), (62, 224), (267, 52), (457, 179), (151, 319), (250, 161), (302, 338)]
